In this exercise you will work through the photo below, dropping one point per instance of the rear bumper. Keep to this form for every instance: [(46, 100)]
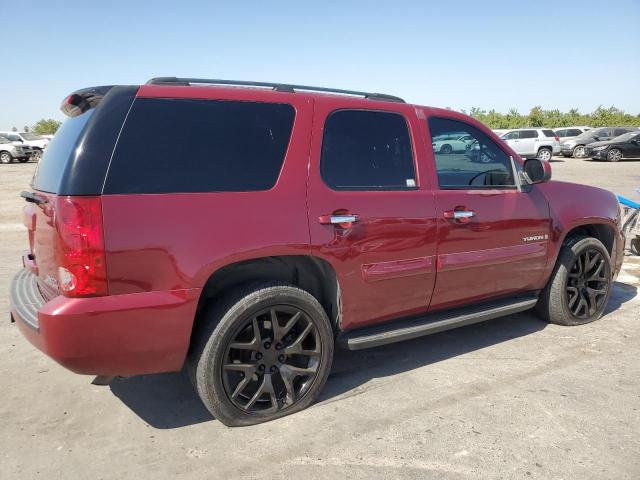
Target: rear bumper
[(113, 335)]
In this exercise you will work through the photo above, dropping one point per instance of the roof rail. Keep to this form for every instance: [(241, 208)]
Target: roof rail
[(280, 87)]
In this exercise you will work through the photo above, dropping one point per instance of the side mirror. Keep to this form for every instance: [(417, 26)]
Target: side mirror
[(536, 171)]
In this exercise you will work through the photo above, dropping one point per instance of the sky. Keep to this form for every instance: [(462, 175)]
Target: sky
[(457, 54)]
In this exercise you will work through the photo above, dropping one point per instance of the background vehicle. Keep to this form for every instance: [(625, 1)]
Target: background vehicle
[(306, 221), (540, 143), (566, 134), (451, 144), (10, 151), (575, 148), (625, 146), (630, 222), (36, 143)]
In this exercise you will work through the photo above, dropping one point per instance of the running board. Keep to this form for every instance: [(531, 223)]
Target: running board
[(435, 322)]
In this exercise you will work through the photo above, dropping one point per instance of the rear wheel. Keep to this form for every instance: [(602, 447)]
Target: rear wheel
[(614, 155), (544, 154), (37, 155), (580, 286), (446, 149), (5, 157), (264, 353), (578, 152)]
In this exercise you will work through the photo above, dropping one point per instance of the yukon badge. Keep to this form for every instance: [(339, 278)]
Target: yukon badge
[(535, 238)]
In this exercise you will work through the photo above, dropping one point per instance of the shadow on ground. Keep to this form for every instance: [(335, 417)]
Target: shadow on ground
[(167, 401)]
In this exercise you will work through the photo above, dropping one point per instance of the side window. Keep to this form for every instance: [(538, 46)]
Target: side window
[(563, 133), (573, 132), (619, 131), (483, 164), (528, 134), (367, 150), (549, 133), (188, 145), (14, 138), (511, 136)]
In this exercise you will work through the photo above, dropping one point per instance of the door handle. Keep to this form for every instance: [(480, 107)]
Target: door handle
[(342, 220), (461, 216)]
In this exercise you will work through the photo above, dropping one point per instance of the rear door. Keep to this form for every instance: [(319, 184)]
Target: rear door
[(492, 238), (528, 142), (371, 212)]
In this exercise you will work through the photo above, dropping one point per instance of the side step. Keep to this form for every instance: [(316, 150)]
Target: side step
[(413, 327)]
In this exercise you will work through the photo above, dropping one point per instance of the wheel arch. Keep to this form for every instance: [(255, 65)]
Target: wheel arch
[(311, 274)]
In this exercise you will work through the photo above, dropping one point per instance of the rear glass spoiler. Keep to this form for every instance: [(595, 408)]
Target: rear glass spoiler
[(82, 100)]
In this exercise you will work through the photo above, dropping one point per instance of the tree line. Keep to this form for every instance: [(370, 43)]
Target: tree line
[(538, 117)]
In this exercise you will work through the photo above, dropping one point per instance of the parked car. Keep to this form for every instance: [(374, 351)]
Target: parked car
[(566, 134), (626, 145), (575, 148), (454, 144), (10, 152), (305, 222), (36, 143), (540, 143)]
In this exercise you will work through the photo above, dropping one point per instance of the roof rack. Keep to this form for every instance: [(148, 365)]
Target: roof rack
[(280, 87)]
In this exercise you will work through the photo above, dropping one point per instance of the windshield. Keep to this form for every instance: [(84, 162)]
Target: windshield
[(30, 136)]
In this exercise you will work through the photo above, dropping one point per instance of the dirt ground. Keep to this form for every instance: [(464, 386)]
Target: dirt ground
[(509, 398)]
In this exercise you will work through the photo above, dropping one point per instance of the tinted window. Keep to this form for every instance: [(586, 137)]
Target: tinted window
[(563, 133), (483, 164), (549, 133), (366, 150), (528, 134), (52, 166), (171, 145), (511, 136), (573, 132), (620, 131)]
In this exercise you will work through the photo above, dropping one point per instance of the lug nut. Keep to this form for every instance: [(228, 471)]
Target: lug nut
[(261, 368), (267, 345), (273, 369), (278, 346), (258, 355), (281, 358)]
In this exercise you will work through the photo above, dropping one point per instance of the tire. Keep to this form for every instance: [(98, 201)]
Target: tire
[(446, 149), (544, 154), (578, 151), (234, 366), (583, 267), (36, 156), (614, 155), (5, 157)]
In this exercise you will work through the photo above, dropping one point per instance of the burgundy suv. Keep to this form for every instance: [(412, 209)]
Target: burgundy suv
[(245, 230)]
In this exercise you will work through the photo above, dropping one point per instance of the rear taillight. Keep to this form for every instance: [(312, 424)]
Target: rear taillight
[(557, 138), (81, 257)]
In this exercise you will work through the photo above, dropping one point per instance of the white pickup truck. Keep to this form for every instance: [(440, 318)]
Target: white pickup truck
[(28, 139)]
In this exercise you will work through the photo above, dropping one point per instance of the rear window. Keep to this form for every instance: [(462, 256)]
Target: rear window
[(528, 134), (53, 163), (187, 145), (549, 133)]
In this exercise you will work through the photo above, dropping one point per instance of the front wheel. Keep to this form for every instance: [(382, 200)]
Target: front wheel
[(5, 157), (264, 353), (446, 149), (614, 155), (580, 285)]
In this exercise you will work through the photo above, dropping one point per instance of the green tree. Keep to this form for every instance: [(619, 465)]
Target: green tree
[(46, 126)]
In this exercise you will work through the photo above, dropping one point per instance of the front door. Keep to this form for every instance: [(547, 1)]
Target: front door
[(371, 215), (492, 238)]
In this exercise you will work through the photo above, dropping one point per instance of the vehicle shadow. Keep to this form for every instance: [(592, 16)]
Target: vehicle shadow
[(167, 401)]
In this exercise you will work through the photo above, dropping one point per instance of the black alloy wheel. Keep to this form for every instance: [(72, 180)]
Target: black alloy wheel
[(588, 283), (272, 360)]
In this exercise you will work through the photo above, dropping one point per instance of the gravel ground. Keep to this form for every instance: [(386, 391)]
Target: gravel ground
[(509, 398)]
